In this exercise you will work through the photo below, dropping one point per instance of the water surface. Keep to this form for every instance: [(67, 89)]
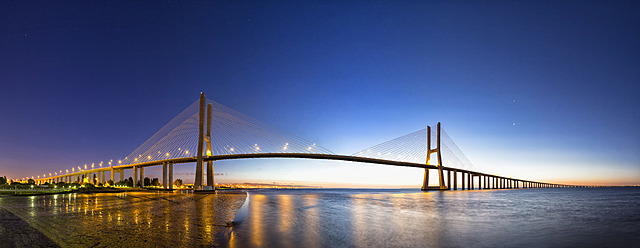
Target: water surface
[(593, 217)]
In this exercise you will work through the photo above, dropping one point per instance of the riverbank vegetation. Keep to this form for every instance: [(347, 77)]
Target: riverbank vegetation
[(31, 188)]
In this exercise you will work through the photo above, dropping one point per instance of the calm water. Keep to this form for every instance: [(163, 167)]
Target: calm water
[(603, 217)]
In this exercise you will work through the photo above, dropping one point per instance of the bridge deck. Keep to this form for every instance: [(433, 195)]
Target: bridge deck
[(277, 155)]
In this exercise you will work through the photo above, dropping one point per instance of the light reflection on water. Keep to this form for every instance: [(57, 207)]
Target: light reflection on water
[(132, 219), (410, 218), (338, 218)]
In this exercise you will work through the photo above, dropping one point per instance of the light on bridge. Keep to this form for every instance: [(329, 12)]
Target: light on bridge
[(135, 159), (186, 152), (208, 152), (119, 161), (149, 157), (167, 154)]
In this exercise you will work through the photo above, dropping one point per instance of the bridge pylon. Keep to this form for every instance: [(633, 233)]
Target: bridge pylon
[(425, 183), (199, 185), (207, 138)]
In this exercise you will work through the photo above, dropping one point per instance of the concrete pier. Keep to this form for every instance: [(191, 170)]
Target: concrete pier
[(164, 175), (142, 177), (171, 176), (135, 177), (462, 179), (455, 180)]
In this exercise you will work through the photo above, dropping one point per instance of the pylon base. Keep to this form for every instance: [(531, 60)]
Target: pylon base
[(433, 188)]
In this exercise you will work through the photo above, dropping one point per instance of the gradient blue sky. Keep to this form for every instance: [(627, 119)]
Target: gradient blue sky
[(542, 90)]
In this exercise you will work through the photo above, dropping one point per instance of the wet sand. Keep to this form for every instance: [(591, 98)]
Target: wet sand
[(127, 219)]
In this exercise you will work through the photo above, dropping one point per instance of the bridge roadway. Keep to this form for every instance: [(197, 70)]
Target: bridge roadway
[(490, 181)]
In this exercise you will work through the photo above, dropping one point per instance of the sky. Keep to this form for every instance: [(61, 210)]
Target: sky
[(538, 90)]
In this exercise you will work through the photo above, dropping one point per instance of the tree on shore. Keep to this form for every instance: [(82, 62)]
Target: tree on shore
[(177, 183), (147, 181), (3, 180), (31, 181), (110, 182), (155, 182)]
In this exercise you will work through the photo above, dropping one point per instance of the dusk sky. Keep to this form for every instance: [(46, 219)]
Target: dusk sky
[(538, 90)]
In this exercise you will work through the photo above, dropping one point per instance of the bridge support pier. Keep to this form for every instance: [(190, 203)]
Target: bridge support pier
[(164, 175), (142, 177), (462, 179), (486, 182), (455, 180), (171, 176), (449, 179), (135, 177)]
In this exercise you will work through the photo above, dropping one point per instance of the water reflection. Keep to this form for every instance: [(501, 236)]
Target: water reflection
[(132, 219), (256, 206), (378, 218), (311, 217)]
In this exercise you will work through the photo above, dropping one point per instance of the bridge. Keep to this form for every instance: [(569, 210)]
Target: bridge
[(204, 135)]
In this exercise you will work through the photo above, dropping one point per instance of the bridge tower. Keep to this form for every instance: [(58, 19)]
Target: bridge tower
[(198, 185), (425, 183), (207, 138)]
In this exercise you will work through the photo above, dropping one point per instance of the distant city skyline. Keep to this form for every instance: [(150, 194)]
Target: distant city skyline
[(540, 90)]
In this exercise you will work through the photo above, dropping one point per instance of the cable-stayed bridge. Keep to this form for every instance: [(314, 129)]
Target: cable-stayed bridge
[(208, 131)]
